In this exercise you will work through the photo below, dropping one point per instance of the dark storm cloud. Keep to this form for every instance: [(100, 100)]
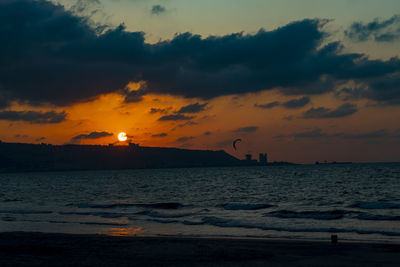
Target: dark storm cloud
[(248, 129), (175, 117), (348, 93), (159, 110), (292, 104), (160, 135), (34, 117), (184, 139), (21, 136), (61, 58), (367, 135), (90, 9), (188, 123), (268, 105), (4, 102), (380, 30), (310, 134), (50, 55), (92, 136), (297, 103), (321, 112), (134, 96), (318, 133), (157, 9), (385, 91), (193, 108), (82, 7)]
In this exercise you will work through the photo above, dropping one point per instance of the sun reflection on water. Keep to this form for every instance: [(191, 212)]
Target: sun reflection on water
[(124, 231)]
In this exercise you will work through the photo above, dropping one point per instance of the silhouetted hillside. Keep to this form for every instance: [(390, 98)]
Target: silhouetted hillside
[(44, 157)]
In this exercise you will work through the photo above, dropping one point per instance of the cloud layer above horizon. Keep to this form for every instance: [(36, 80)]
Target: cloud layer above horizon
[(64, 60)]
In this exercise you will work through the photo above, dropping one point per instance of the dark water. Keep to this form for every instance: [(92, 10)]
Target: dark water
[(358, 202)]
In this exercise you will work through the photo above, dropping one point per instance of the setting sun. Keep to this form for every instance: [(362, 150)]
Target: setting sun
[(122, 137)]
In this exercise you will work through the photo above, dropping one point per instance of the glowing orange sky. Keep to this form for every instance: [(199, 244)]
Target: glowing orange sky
[(221, 118)]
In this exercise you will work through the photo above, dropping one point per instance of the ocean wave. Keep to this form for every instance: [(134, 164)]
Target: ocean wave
[(74, 222), (9, 219), (373, 217), (108, 215), (376, 205), (246, 206), (184, 222), (163, 221), (11, 200), (192, 223), (316, 215), (105, 223), (164, 215), (219, 222), (101, 206), (26, 211), (166, 205)]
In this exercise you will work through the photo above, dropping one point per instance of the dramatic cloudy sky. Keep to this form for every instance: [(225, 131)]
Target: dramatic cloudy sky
[(301, 80)]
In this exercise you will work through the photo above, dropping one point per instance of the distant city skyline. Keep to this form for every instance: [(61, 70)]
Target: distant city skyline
[(303, 81)]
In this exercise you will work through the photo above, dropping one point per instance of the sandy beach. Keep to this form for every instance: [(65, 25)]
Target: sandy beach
[(34, 249)]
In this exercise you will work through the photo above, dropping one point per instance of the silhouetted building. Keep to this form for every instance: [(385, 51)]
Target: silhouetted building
[(263, 159), (249, 161), (134, 146)]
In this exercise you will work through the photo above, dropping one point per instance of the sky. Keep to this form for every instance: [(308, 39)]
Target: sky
[(303, 81)]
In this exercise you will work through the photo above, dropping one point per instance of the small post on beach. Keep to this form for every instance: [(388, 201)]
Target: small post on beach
[(334, 239)]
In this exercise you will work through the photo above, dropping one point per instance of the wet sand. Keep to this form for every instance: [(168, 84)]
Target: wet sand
[(34, 249)]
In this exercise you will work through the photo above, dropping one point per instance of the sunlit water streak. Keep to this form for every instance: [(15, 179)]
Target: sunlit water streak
[(358, 202)]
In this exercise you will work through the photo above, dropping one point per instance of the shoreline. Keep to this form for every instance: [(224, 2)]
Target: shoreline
[(123, 234), (33, 249)]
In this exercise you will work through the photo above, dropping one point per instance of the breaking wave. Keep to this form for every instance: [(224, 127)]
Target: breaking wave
[(11, 200), (167, 205), (372, 217), (376, 205), (316, 215), (231, 223), (164, 215), (26, 211), (108, 215), (239, 206), (168, 221), (105, 224), (251, 225)]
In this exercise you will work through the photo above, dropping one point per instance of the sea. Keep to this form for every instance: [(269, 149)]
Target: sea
[(357, 202)]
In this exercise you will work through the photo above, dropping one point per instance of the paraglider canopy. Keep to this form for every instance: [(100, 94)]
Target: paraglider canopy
[(235, 142)]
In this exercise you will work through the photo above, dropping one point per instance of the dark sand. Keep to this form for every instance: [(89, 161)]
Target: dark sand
[(33, 249)]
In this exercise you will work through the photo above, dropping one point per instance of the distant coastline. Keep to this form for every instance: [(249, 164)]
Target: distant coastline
[(24, 157)]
